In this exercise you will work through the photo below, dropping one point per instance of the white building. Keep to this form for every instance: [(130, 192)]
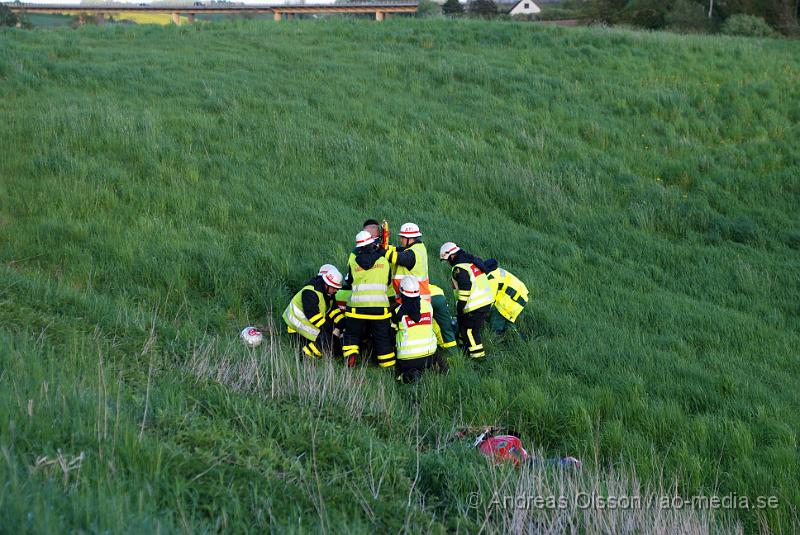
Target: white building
[(525, 7)]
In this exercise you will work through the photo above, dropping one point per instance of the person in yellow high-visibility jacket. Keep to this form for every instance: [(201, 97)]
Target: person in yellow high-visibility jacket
[(442, 320), (474, 296), (416, 340), (312, 314), (510, 296), (367, 313), (411, 258)]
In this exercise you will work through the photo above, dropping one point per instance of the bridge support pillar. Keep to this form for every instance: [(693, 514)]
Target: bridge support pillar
[(277, 16), (101, 19), (176, 19), (290, 16), (379, 16), (190, 18)]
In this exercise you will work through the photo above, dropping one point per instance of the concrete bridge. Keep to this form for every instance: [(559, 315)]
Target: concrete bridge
[(381, 10)]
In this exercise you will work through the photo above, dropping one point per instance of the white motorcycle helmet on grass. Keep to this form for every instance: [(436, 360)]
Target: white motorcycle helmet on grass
[(251, 337)]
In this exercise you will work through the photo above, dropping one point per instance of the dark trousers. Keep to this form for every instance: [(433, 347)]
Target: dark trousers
[(410, 370), (325, 343), (469, 332), (379, 331)]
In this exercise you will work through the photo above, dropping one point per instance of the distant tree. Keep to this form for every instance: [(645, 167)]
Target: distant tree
[(428, 8), (650, 14), (654, 14), (780, 14), (605, 11), (8, 17), (483, 8), (688, 16), (452, 7)]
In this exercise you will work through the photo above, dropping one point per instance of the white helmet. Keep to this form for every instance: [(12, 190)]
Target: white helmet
[(333, 277), (410, 230), (364, 238), (324, 268), (447, 250), (409, 286), (251, 337)]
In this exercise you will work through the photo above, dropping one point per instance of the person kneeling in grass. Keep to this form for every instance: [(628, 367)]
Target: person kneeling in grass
[(312, 314), (416, 340)]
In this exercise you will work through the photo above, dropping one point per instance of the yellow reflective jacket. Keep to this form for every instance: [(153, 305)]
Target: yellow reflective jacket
[(510, 293)]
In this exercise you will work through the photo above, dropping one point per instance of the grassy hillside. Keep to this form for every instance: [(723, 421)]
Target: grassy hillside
[(160, 188)]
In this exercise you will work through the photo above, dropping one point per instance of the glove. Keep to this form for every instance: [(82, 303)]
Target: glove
[(391, 254), (351, 361)]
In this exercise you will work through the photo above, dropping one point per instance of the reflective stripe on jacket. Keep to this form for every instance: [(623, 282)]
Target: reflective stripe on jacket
[(416, 339), (370, 289), (510, 293), (296, 319), (480, 293), (419, 271)]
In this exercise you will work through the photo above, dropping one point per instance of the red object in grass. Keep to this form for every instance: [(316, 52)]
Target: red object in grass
[(504, 448)]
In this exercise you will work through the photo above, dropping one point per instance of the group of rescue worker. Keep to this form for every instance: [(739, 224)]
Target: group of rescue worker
[(385, 304)]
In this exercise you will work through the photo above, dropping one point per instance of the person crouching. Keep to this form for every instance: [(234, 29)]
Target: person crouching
[(416, 340), (312, 314)]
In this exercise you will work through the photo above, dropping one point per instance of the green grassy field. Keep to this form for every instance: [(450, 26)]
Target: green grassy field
[(160, 188)]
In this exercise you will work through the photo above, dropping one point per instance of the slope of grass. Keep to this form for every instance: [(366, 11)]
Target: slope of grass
[(162, 187)]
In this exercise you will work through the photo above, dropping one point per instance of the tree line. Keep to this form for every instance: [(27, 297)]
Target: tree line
[(699, 15), (758, 18)]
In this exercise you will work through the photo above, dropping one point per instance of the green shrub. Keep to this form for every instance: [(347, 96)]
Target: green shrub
[(747, 26), (559, 12), (530, 17)]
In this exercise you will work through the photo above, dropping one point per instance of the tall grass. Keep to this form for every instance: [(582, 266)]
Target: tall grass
[(160, 188), (542, 499), (273, 371)]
